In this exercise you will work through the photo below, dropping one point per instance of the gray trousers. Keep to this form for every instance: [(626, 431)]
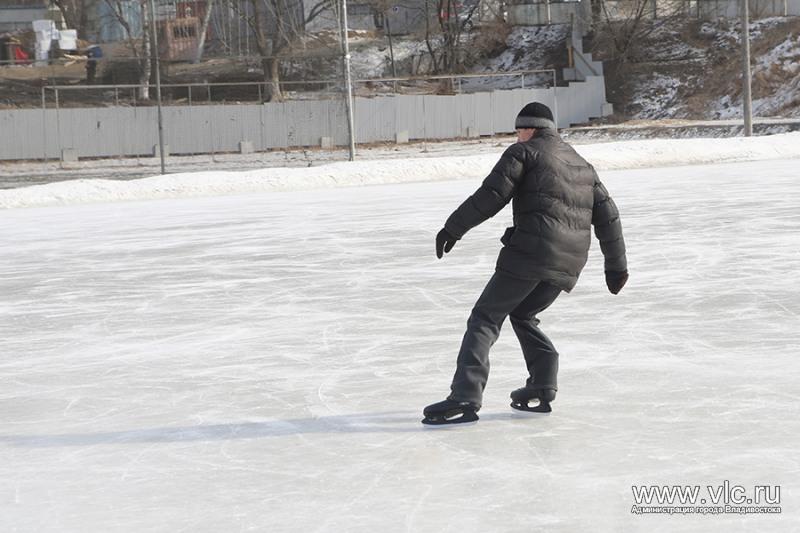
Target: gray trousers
[(522, 300)]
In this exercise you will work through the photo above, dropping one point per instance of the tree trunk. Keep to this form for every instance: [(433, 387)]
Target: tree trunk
[(203, 31), (275, 79), (76, 14), (434, 60), (144, 64), (597, 10), (391, 48), (272, 77), (83, 18), (67, 9), (270, 64)]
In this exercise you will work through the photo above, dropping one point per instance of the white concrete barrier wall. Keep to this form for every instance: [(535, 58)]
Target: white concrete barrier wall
[(131, 131)]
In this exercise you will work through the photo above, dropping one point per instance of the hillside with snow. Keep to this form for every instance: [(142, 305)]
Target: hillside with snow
[(686, 69), (693, 70)]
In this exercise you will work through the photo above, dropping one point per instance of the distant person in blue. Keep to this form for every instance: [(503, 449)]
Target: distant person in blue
[(557, 197), (93, 53)]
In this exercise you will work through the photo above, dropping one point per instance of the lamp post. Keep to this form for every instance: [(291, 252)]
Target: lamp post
[(747, 103), (348, 83), (154, 47)]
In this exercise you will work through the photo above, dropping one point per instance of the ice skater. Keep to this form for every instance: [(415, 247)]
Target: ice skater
[(557, 197)]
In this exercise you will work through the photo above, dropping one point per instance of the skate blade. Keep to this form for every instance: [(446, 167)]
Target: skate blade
[(528, 412), (463, 420), (447, 425), (520, 413)]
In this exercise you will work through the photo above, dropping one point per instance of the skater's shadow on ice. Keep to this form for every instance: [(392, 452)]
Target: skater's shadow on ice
[(385, 422)]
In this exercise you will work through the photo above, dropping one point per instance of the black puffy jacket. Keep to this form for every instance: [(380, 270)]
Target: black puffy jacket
[(557, 197)]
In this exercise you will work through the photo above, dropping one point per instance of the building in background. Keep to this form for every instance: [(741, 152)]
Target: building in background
[(119, 20), (107, 23), (178, 38), (20, 14)]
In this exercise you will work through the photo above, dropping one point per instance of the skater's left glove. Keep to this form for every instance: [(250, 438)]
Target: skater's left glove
[(616, 280), (444, 243)]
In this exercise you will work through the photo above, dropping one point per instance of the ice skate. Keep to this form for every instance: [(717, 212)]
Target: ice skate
[(450, 412), (520, 399)]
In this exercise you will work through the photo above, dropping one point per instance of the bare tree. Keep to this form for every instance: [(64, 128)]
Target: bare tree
[(76, 13), (627, 34), (382, 10), (428, 37), (454, 20), (623, 26), (253, 13), (140, 48), (278, 26), (204, 31)]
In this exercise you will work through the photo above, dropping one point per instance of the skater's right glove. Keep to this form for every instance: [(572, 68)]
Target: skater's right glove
[(616, 280), (444, 243)]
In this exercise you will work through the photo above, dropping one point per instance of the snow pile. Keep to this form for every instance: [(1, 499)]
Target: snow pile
[(606, 156)]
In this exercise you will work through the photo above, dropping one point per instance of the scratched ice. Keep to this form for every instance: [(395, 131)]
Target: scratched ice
[(259, 363)]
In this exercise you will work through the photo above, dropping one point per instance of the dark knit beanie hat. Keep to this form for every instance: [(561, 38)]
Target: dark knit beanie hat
[(535, 115)]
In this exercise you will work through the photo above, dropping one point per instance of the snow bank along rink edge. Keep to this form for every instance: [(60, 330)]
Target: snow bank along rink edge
[(606, 156)]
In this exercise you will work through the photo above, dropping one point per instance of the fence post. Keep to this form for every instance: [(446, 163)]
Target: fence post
[(555, 99), (210, 126), (121, 154), (44, 125), (348, 84), (58, 122)]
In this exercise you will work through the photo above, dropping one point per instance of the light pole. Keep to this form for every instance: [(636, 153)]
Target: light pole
[(747, 103), (348, 82), (154, 41)]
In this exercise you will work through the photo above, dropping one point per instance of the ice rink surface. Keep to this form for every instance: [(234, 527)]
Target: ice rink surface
[(260, 363)]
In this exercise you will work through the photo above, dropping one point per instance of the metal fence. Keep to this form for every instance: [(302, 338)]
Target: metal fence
[(58, 96), (208, 127)]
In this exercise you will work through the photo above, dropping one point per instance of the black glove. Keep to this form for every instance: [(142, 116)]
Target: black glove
[(616, 280), (444, 243)]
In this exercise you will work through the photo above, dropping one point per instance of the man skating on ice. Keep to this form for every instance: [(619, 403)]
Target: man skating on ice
[(557, 198)]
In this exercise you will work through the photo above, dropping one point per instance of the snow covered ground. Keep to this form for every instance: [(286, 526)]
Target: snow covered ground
[(259, 362), (22, 174), (473, 159)]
